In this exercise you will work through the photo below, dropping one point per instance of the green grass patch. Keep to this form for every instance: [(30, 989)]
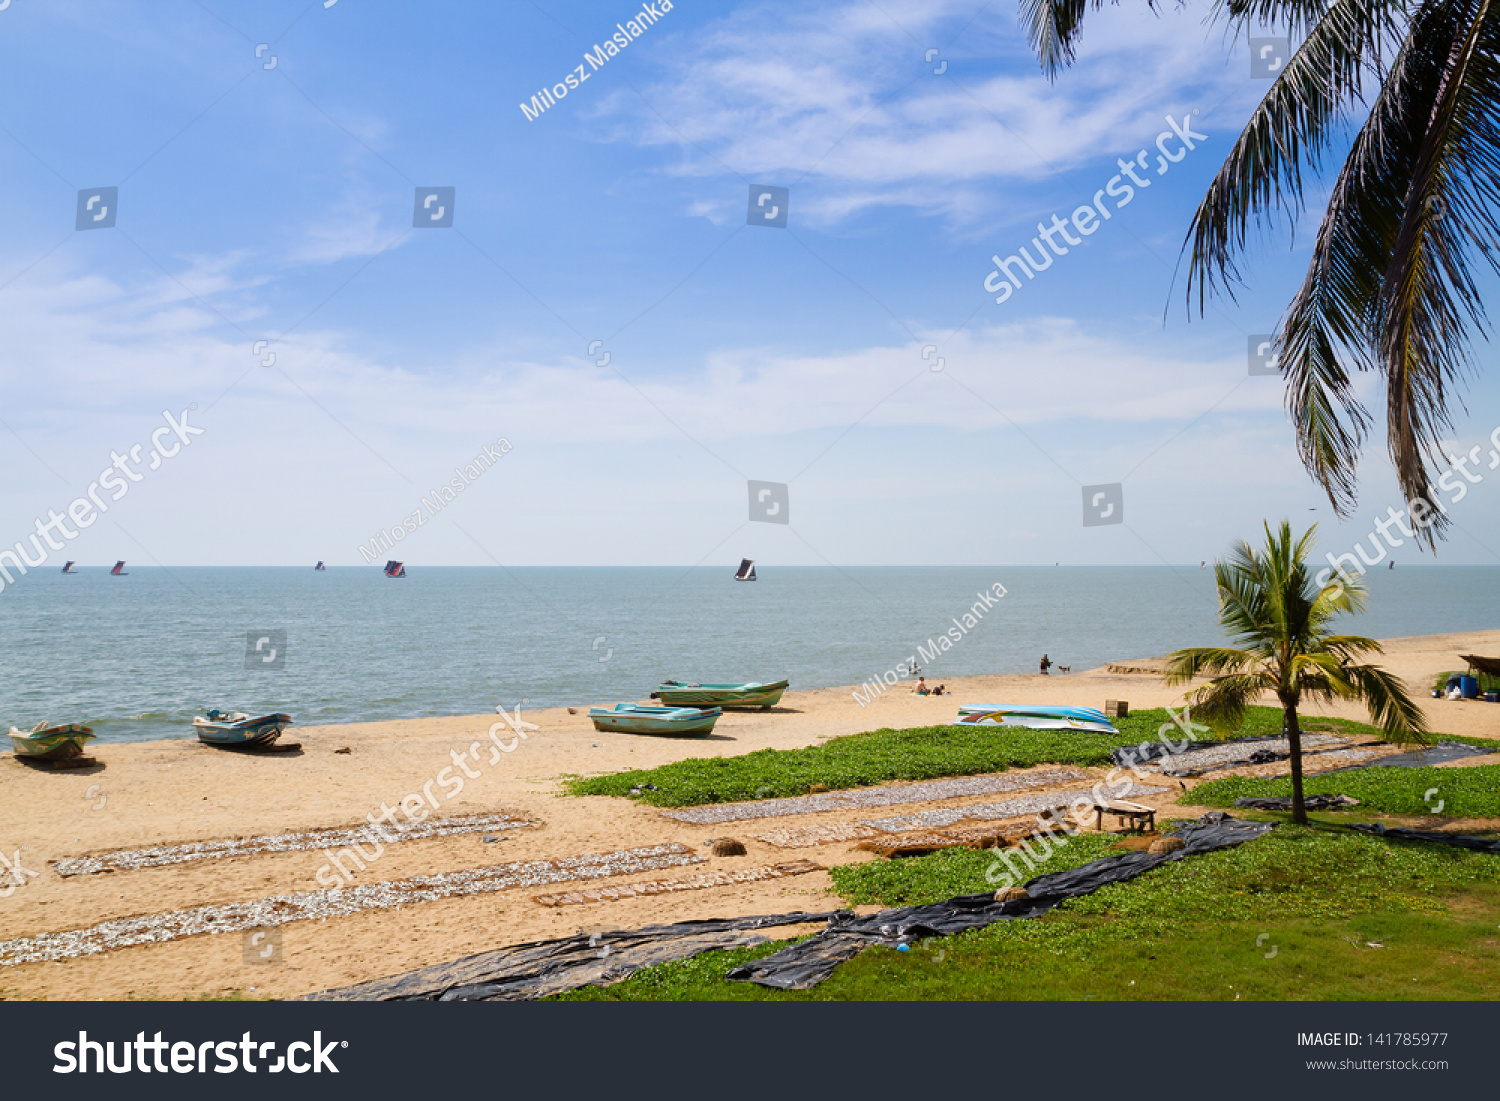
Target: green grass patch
[(1465, 792), (879, 756), (916, 881), (1290, 915)]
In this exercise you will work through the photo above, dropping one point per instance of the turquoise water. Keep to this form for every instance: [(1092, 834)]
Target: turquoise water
[(137, 656)]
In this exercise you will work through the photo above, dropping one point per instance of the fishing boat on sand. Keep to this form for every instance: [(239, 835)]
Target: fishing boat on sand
[(635, 718), (237, 730), (50, 743), (1037, 717), (752, 694)]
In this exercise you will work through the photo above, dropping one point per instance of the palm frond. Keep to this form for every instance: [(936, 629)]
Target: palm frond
[(1429, 306), (1184, 665), (1223, 700), (1291, 128), (1391, 708)]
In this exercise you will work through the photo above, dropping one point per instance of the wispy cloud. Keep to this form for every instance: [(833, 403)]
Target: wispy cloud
[(845, 95)]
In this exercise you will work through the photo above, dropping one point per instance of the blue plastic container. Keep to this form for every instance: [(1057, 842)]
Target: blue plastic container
[(1469, 686)]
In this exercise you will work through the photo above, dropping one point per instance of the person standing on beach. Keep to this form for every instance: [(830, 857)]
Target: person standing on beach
[(1046, 664)]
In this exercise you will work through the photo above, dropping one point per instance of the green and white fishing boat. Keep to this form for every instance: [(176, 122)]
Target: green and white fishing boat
[(50, 743), (635, 718), (730, 696)]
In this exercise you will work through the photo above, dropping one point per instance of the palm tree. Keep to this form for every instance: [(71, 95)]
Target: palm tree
[(1281, 621), (1389, 287)]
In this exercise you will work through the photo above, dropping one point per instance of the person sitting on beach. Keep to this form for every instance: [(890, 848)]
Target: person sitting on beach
[(921, 688), (1046, 664), (939, 690)]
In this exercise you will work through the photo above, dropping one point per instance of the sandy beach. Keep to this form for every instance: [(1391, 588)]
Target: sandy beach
[(173, 792)]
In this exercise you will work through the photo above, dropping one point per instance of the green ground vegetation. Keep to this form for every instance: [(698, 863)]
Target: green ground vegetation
[(922, 753), (1465, 792), (1315, 913)]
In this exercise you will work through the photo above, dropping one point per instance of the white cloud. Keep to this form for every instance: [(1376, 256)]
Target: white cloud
[(843, 95)]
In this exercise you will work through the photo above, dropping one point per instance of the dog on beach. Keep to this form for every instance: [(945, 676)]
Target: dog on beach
[(1064, 668)]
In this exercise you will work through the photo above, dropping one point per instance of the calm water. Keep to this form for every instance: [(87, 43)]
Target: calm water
[(137, 656)]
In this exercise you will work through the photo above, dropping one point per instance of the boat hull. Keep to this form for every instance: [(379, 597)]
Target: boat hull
[(1037, 717), (58, 743), (246, 734), (635, 719), (727, 696)]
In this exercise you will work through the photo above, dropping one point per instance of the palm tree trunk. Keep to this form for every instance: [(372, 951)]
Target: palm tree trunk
[(1294, 743)]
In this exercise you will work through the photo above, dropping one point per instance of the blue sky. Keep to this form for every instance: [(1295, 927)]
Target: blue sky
[(275, 203)]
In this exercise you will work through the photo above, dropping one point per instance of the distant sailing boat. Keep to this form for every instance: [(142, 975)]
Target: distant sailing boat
[(68, 567), (746, 572), (119, 570), (395, 569), (1391, 565), (320, 565)]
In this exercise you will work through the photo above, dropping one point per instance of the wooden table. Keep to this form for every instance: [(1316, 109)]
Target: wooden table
[(1141, 817)]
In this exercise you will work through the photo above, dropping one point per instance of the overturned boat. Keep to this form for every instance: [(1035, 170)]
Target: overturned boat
[(636, 718), (1036, 717)]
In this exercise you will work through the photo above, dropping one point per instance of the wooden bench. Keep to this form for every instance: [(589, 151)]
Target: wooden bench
[(1140, 818)]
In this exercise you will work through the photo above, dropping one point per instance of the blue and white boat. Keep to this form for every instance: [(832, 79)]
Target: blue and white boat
[(637, 718), (1036, 717), (237, 730)]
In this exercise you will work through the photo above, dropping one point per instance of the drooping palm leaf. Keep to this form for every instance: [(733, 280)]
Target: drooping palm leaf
[(1390, 286)]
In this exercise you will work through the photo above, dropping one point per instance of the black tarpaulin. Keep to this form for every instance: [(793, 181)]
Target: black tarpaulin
[(1438, 754), (803, 965), (1309, 802), (535, 970), (1401, 833)]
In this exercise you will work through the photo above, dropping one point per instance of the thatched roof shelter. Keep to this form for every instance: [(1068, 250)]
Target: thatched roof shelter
[(1488, 666)]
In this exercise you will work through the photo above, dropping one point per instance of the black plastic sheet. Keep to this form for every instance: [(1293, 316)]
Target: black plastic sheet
[(1401, 833), (1310, 802), (535, 970), (1438, 754), (803, 965)]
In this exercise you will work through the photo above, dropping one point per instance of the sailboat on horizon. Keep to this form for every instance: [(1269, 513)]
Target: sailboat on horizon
[(746, 572), (119, 570), (68, 567)]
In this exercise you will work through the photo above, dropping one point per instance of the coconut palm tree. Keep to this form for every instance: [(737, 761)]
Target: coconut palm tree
[(1390, 286), (1280, 622)]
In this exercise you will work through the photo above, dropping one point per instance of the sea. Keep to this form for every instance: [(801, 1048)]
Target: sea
[(137, 656)]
